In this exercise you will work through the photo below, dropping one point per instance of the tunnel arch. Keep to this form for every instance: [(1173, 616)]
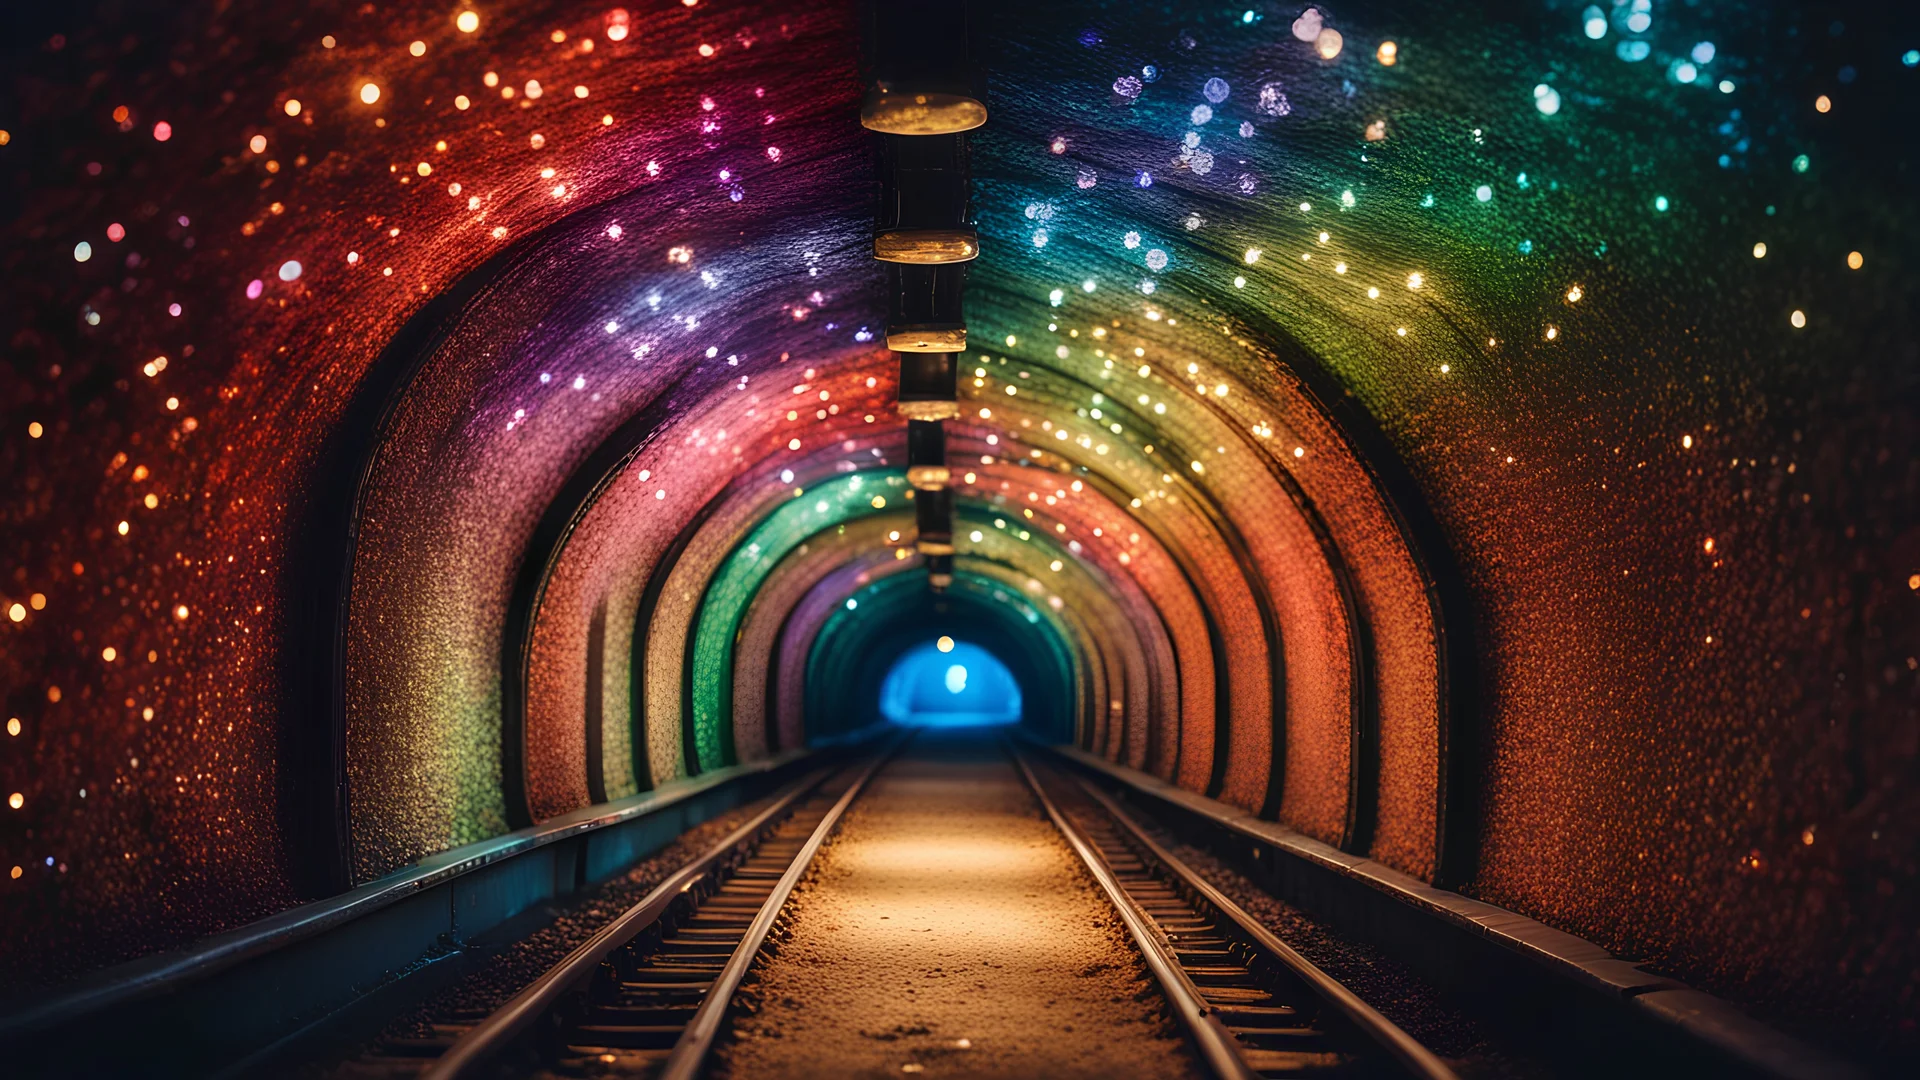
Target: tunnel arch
[(366, 623), (1116, 601), (620, 495), (1405, 686), (824, 578), (1368, 695), (1039, 659), (647, 436), (1249, 670), (485, 670), (800, 517), (851, 556)]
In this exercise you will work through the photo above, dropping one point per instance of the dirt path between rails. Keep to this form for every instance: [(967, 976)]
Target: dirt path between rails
[(948, 931)]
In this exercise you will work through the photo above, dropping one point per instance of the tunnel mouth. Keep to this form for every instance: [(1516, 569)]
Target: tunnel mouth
[(947, 683)]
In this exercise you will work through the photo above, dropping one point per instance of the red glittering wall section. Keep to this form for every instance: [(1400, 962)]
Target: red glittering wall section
[(226, 213)]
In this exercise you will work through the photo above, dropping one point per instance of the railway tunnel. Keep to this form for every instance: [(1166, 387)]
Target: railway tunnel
[(1432, 483)]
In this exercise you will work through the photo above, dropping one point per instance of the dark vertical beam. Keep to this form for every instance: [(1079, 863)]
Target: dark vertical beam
[(923, 79), (933, 514), (314, 809), (923, 95), (595, 707), (928, 384), (927, 454)]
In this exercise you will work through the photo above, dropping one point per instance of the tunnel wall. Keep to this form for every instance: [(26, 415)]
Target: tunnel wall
[(853, 556), (634, 515), (1580, 322), (1605, 620), (273, 281), (1003, 498), (425, 688)]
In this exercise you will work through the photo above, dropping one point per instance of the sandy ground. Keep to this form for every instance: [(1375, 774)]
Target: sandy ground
[(948, 931)]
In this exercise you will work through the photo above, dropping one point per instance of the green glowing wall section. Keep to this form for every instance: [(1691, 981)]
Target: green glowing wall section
[(727, 596), (865, 549)]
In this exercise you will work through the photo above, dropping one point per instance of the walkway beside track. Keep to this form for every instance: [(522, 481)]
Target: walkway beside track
[(949, 927)]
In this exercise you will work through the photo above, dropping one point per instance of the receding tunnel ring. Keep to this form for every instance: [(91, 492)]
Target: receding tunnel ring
[(850, 651)]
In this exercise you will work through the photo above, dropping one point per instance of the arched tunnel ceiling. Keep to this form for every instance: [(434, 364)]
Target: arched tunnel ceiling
[(1032, 638), (1480, 455)]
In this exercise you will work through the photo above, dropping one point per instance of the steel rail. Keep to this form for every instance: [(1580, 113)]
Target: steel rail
[(1407, 1051), (491, 1036), (172, 976), (689, 1057), (1215, 1044)]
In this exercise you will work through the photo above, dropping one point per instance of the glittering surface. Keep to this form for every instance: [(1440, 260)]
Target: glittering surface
[(867, 545), (1671, 463), (530, 381), (1157, 607), (741, 437), (269, 251), (734, 581), (1570, 347), (424, 648), (1169, 504), (802, 633)]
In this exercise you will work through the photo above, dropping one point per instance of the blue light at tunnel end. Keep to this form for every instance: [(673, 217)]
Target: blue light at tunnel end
[(965, 687)]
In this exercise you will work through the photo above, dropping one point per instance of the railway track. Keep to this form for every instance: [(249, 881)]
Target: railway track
[(1251, 1004), (648, 994)]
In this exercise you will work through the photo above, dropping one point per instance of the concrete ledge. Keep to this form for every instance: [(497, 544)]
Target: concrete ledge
[(1563, 987), (227, 996)]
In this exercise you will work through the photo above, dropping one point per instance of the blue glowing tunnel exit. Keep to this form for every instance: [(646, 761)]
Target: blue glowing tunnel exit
[(948, 683)]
